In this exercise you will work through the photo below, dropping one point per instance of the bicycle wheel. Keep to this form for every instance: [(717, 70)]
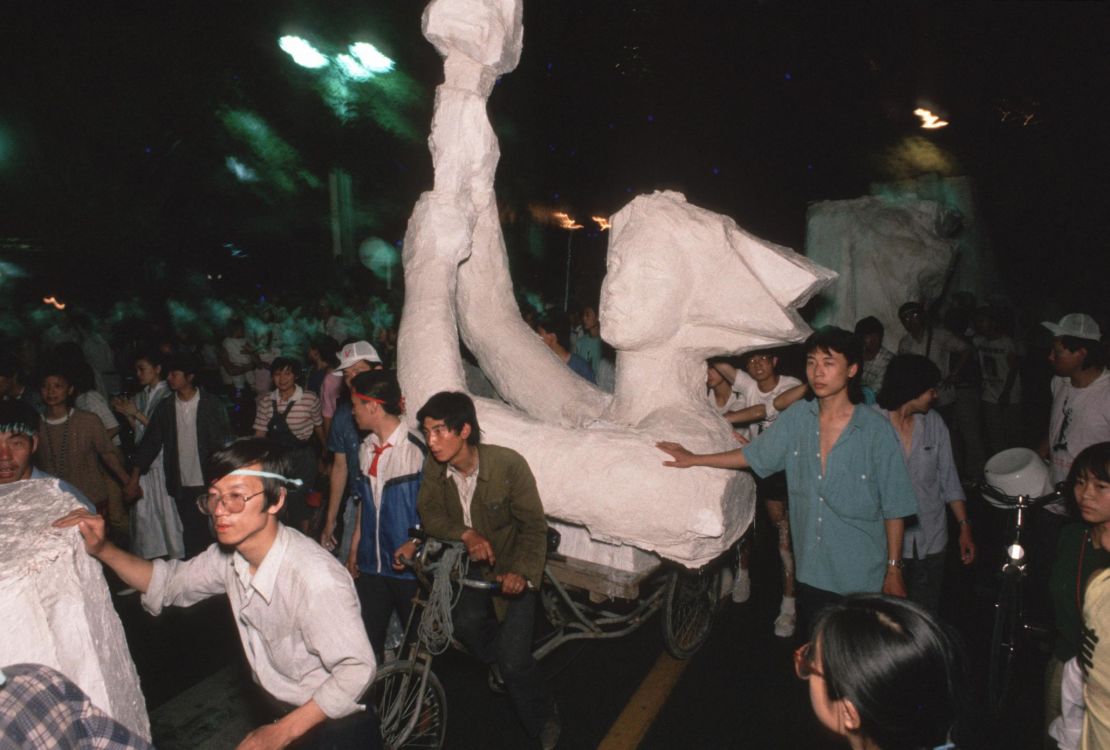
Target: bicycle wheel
[(410, 717), (1005, 638), (689, 604)]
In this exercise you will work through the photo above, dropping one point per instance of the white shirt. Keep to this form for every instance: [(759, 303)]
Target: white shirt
[(945, 349), (298, 618), (466, 484), (188, 454), (1080, 417), (751, 395), (401, 458)]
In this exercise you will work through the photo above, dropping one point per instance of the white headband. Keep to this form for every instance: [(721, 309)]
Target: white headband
[(265, 475)]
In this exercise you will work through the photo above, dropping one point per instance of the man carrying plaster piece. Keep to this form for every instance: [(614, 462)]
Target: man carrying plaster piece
[(848, 486), (294, 605), (486, 496)]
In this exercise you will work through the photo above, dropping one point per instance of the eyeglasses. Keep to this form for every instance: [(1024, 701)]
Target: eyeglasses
[(804, 665), (233, 502)]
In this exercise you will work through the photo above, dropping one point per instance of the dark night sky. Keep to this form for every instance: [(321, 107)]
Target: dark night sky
[(112, 144)]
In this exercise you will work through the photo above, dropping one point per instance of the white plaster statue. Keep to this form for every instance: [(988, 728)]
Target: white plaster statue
[(683, 284), (55, 608)]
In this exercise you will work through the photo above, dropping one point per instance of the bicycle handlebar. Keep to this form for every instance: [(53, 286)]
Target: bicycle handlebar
[(999, 499), (432, 545)]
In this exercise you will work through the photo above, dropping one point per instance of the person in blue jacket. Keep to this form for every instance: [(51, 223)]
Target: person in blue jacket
[(391, 460)]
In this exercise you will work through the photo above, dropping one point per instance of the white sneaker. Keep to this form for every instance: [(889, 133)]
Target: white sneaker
[(742, 587), (726, 582), (785, 624)]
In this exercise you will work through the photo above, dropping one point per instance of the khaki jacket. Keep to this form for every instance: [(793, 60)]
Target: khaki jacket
[(506, 510)]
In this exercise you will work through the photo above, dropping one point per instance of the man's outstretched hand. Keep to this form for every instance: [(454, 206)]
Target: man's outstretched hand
[(90, 525), (683, 459)]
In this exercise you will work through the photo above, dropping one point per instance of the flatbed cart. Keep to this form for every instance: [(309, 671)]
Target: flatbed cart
[(581, 600)]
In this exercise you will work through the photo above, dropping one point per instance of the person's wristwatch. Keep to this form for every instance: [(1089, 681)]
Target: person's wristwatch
[(896, 564)]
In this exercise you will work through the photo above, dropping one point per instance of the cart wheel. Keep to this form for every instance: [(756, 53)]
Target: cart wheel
[(397, 696), (689, 604)]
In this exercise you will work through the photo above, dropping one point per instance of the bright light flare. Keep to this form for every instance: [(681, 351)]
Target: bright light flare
[(370, 58), (561, 219), (352, 68), (242, 172), (58, 304), (929, 121), (566, 221), (602, 223), (303, 53)]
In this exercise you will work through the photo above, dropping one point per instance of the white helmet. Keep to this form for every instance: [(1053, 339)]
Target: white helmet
[(1018, 471)]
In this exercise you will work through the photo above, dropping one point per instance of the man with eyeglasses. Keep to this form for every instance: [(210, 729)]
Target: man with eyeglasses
[(294, 605)]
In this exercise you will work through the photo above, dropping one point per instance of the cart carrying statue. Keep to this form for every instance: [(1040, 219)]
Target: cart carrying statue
[(683, 284)]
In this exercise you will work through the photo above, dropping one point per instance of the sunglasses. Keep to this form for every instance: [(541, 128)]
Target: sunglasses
[(804, 665)]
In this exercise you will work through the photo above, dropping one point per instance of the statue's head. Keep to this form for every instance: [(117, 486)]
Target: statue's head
[(680, 276)]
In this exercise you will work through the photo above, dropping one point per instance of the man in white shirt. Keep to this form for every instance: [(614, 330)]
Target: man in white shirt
[(294, 605), (188, 427)]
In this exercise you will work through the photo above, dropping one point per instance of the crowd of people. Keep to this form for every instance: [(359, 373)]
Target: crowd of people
[(285, 439)]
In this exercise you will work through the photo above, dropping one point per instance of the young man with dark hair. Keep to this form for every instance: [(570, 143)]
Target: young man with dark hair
[(555, 333), (847, 481), (293, 604), (290, 416), (185, 429), (19, 427), (588, 345), (876, 357), (391, 462), (486, 496)]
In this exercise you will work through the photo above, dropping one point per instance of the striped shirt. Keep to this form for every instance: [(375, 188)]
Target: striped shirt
[(302, 418)]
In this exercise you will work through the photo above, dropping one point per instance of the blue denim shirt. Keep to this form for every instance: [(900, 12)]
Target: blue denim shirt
[(837, 518), (343, 438)]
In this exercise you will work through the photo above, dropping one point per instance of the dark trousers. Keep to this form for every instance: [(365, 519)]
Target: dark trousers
[(507, 644), (923, 580), (358, 731), (379, 596), (196, 533), (810, 602)]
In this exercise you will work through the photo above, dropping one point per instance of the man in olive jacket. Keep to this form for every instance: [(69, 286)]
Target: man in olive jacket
[(486, 496)]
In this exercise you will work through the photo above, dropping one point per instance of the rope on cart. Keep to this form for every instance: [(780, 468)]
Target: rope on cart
[(435, 628)]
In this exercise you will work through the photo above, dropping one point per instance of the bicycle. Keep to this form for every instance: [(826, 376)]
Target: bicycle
[(410, 699), (1010, 624)]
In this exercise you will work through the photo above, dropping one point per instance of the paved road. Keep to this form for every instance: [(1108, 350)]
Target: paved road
[(738, 691)]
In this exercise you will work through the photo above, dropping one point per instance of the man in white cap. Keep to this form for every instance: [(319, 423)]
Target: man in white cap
[(1080, 417), (344, 443), (1080, 413)]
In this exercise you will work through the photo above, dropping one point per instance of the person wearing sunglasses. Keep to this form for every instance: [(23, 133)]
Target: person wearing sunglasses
[(884, 674), (293, 603)]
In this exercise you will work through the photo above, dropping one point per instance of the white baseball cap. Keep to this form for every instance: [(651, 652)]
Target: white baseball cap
[(1076, 324), (355, 352)]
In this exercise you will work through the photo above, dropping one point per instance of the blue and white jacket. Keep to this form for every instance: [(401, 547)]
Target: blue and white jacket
[(386, 520)]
